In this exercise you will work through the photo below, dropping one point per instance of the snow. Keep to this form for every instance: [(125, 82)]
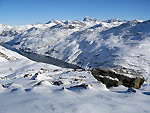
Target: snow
[(27, 85), (20, 94)]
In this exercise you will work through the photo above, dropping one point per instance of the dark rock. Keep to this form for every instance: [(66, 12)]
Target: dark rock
[(5, 56), (56, 70), (58, 83), (44, 70), (3, 78), (79, 69), (76, 79), (27, 75), (85, 86), (113, 77), (7, 85), (82, 76), (71, 27)]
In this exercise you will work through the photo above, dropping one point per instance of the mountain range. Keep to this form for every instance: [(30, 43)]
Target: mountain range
[(90, 43)]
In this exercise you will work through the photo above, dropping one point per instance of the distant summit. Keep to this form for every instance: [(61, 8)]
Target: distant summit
[(88, 19), (53, 21)]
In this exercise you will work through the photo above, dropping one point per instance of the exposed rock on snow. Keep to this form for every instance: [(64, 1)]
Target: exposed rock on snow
[(57, 83), (114, 77), (84, 86)]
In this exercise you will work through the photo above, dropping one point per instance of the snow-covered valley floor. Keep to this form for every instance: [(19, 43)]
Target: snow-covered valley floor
[(32, 87)]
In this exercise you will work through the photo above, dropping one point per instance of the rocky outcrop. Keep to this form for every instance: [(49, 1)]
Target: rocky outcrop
[(112, 77), (5, 56), (84, 86)]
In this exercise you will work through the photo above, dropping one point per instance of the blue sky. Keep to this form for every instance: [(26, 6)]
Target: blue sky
[(20, 12)]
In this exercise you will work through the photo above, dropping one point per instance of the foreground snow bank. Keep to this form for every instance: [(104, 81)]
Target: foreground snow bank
[(46, 100)]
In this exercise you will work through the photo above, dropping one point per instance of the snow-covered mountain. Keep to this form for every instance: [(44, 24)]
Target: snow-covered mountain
[(90, 43), (26, 85)]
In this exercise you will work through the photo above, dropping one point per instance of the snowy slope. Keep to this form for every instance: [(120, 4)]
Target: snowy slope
[(27, 86)]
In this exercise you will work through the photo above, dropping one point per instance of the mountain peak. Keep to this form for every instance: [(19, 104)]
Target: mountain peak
[(87, 19), (53, 21)]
